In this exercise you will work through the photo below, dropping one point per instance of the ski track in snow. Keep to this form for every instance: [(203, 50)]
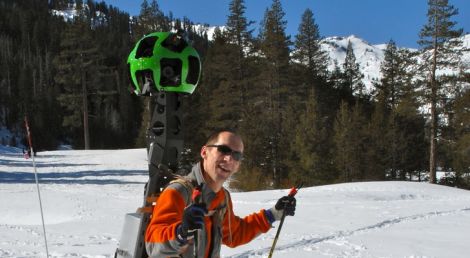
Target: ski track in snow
[(342, 234)]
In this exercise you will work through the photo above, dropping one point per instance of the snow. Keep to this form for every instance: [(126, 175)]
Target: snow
[(210, 30), (370, 57), (86, 195)]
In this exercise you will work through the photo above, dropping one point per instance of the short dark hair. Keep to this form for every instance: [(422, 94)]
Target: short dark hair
[(215, 135)]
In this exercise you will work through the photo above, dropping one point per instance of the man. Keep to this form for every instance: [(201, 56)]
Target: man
[(183, 225)]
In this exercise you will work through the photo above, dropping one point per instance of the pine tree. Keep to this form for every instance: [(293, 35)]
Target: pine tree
[(308, 163), (247, 113), (117, 45), (389, 83), (150, 19), (239, 35), (315, 75), (339, 86), (308, 49), (438, 39), (408, 127), (352, 74), (6, 60), (112, 103), (461, 151), (33, 58), (238, 31), (343, 148), (384, 127), (222, 109), (275, 47), (78, 73), (358, 140), (350, 141)]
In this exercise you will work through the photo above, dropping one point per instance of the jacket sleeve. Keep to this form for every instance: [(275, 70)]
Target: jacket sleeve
[(238, 231), (160, 237)]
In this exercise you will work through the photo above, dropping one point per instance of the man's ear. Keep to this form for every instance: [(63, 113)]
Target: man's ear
[(203, 152)]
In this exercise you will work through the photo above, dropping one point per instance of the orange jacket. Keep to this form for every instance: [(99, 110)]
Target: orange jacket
[(161, 238)]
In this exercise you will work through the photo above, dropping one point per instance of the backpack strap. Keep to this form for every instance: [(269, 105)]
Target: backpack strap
[(152, 200), (188, 184), (219, 214), (227, 203)]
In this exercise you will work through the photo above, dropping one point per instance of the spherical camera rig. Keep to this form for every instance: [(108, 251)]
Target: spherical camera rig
[(164, 61), (165, 67)]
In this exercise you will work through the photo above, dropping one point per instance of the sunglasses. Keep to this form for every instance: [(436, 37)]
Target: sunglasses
[(225, 150)]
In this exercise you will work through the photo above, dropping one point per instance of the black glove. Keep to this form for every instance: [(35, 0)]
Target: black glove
[(193, 219), (286, 203)]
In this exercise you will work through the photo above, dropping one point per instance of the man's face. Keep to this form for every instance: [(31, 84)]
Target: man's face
[(217, 165)]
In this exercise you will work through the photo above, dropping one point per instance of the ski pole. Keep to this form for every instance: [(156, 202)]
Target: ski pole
[(293, 191), (197, 199), (37, 181)]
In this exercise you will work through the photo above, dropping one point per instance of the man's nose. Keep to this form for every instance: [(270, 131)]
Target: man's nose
[(228, 157)]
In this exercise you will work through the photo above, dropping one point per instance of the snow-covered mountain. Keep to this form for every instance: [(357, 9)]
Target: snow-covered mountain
[(369, 57)]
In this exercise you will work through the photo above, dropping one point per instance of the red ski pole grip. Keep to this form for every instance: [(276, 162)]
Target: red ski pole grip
[(293, 191), (196, 194)]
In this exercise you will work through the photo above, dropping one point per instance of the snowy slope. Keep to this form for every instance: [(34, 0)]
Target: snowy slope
[(85, 196), (370, 57), (87, 193)]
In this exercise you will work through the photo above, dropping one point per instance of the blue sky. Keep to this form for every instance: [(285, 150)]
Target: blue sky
[(376, 21)]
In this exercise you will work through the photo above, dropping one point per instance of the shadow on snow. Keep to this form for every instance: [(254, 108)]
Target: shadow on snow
[(39, 164), (72, 177)]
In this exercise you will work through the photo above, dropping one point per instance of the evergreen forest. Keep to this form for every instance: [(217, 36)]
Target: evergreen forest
[(299, 120)]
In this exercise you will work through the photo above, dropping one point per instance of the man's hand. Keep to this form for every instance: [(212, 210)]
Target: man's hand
[(284, 204), (288, 204), (193, 219)]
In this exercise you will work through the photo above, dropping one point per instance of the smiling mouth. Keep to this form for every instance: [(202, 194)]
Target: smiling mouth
[(224, 169)]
